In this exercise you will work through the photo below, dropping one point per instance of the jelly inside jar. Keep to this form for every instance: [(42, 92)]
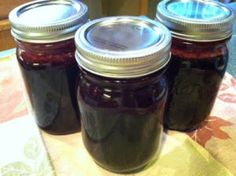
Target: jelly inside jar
[(50, 75), (121, 119), (195, 74)]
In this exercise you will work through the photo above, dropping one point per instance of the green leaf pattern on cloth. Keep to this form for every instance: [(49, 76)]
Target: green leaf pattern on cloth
[(16, 169), (44, 169), (32, 149), (36, 162)]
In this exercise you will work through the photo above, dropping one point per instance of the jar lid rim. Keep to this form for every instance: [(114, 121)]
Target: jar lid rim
[(196, 20), (122, 46), (44, 21)]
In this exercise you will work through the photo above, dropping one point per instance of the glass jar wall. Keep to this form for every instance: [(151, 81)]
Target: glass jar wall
[(50, 74), (194, 75), (121, 119), (200, 30), (45, 53), (122, 90)]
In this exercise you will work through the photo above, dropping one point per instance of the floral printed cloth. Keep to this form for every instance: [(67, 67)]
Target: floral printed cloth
[(22, 151), (207, 151), (218, 135)]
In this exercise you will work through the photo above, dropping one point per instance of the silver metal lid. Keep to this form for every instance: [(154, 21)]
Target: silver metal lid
[(46, 21), (123, 47), (196, 20)]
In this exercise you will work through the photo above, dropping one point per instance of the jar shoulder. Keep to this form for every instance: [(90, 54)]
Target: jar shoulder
[(127, 94), (199, 50), (43, 54)]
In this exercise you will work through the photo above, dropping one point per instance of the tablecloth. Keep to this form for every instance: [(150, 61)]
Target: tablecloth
[(207, 151)]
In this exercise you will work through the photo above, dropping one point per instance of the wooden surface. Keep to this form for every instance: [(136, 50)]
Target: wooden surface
[(143, 7), (6, 40), (95, 8), (121, 7), (7, 6)]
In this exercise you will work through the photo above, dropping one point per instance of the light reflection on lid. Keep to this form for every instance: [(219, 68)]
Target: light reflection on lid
[(40, 15), (196, 10)]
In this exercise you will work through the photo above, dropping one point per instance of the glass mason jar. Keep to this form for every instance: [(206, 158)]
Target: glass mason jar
[(44, 32), (200, 31), (122, 90)]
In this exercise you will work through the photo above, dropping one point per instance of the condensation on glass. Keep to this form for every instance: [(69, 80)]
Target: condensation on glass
[(122, 90), (44, 32), (200, 30)]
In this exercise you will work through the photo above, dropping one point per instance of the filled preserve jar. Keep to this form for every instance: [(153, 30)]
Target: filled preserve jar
[(44, 32), (200, 31), (122, 90)]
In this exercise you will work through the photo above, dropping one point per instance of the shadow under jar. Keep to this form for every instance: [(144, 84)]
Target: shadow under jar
[(122, 90), (45, 53), (200, 31)]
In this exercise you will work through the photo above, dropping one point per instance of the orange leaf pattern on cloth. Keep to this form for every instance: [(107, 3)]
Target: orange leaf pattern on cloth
[(233, 82), (211, 128), (228, 82), (223, 86), (11, 92), (227, 97)]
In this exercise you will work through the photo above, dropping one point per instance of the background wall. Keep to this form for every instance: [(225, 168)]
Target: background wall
[(97, 9), (6, 41)]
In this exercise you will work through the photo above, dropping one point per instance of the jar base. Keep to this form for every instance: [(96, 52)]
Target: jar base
[(187, 130), (129, 171), (61, 132), (166, 128)]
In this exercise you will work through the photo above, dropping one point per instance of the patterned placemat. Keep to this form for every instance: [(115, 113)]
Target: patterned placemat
[(22, 150)]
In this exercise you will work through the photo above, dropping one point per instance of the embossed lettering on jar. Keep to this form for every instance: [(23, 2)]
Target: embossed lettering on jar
[(200, 30), (44, 32), (122, 90)]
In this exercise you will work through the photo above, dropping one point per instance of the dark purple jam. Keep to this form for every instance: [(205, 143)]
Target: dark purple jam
[(50, 74), (194, 75), (121, 119)]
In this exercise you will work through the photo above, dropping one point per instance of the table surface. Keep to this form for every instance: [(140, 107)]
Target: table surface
[(209, 150)]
